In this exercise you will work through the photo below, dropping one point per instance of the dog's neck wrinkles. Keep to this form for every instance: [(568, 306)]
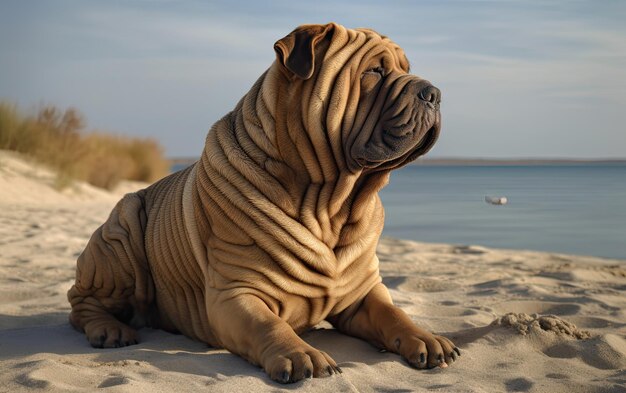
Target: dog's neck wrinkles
[(256, 196)]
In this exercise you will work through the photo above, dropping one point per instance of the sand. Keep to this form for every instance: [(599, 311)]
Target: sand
[(525, 321)]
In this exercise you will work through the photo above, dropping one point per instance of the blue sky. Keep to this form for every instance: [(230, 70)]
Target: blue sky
[(519, 78)]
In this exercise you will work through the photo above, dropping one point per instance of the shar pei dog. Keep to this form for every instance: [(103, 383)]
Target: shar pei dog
[(275, 228)]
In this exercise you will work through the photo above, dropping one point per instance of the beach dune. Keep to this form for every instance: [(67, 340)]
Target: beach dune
[(525, 321)]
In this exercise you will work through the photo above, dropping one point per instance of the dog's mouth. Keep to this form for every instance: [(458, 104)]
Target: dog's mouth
[(426, 143), (398, 146)]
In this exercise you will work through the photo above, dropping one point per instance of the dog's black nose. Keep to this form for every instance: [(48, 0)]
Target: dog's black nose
[(430, 94)]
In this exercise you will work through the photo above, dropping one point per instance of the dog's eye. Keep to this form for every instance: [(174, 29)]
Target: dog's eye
[(375, 70), (371, 78)]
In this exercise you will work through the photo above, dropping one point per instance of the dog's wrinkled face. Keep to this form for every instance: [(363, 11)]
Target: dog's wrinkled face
[(381, 116), (404, 110)]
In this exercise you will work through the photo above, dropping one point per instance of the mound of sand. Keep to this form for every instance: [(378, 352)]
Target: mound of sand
[(525, 321), (535, 324)]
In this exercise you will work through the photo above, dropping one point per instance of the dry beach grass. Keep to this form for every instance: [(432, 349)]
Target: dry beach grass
[(58, 139), (525, 321)]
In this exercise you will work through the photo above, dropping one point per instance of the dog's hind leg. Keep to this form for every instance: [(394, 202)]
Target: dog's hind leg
[(113, 283), (102, 328)]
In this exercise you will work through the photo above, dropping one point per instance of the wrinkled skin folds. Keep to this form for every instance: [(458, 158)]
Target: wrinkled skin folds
[(275, 228)]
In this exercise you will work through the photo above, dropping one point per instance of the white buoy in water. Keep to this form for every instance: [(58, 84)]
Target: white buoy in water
[(496, 200)]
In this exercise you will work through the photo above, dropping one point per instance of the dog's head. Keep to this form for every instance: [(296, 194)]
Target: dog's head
[(359, 96)]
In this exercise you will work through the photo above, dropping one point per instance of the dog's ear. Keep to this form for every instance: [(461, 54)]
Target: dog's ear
[(296, 52)]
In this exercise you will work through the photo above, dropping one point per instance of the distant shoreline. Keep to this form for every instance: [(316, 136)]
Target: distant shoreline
[(515, 161), (176, 161)]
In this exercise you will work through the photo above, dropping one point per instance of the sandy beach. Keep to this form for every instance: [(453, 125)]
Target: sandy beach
[(525, 321)]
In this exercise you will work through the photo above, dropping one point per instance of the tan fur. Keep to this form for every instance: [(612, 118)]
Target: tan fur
[(275, 228)]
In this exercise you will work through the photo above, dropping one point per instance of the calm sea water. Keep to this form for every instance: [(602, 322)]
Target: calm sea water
[(575, 209)]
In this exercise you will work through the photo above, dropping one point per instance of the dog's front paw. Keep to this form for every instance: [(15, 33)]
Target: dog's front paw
[(295, 365), (423, 349)]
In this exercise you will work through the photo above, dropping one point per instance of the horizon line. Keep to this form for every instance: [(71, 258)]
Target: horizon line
[(442, 160)]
